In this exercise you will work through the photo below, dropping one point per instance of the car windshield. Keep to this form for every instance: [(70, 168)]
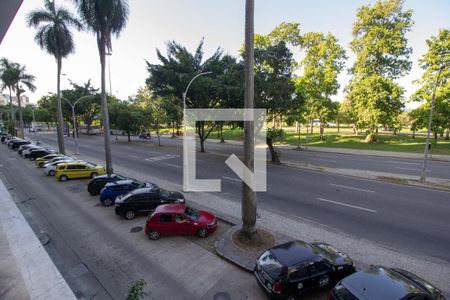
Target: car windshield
[(418, 281), (327, 251), (89, 165), (270, 264), (192, 212), (139, 184), (164, 193)]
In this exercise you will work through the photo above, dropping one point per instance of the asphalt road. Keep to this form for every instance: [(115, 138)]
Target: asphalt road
[(408, 219)]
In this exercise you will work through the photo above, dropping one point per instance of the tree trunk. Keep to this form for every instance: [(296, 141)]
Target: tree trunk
[(414, 134), (312, 126), (173, 129), (281, 121), (298, 137), (447, 134), (307, 135), (59, 115), (129, 137), (321, 131), (273, 153), (157, 134), (338, 125), (13, 115), (248, 195), (20, 112), (435, 137), (104, 109), (221, 133)]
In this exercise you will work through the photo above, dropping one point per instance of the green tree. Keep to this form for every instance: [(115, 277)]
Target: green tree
[(54, 36), (104, 18), (23, 79), (435, 80), (158, 115), (382, 55), (176, 69), (8, 75), (126, 116)]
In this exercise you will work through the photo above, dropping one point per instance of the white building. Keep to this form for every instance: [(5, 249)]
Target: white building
[(4, 99)]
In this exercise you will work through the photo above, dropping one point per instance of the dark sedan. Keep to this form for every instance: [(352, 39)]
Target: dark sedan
[(145, 200), (33, 155), (15, 144), (96, 184), (384, 283)]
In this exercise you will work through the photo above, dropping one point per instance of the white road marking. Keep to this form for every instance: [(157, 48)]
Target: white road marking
[(403, 162), (410, 169), (161, 157), (323, 159), (172, 165), (133, 156), (348, 205), (331, 156), (229, 178), (352, 188)]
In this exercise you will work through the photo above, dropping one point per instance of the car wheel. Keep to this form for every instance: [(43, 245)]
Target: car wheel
[(109, 202), (291, 297), (51, 173), (94, 174), (92, 193), (154, 235), (63, 178), (203, 232), (32, 158), (130, 215)]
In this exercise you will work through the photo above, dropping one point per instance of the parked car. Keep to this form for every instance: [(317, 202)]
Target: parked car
[(4, 137), (96, 184), (50, 168), (41, 161), (76, 169), (15, 144), (288, 270), (145, 200), (145, 135), (179, 219), (379, 282), (35, 154), (27, 151), (109, 193), (22, 148)]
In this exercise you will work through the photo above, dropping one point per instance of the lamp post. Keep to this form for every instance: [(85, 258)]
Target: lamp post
[(430, 119), (75, 133), (184, 100)]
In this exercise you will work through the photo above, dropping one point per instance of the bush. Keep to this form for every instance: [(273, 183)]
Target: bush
[(276, 134), (136, 290)]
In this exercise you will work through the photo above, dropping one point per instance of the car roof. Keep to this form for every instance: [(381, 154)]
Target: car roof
[(148, 189), (107, 176), (378, 282), (120, 182), (295, 252), (171, 208)]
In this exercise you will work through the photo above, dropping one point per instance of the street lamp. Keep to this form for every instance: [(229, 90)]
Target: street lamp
[(74, 120), (430, 119)]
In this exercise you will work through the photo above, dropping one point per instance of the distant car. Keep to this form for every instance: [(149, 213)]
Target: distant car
[(288, 270), (179, 219), (50, 168), (28, 150), (22, 148), (15, 144), (145, 135), (145, 200), (111, 190), (41, 161), (75, 170), (96, 184), (379, 282), (37, 153)]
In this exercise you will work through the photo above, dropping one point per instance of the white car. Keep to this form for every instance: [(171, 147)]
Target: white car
[(50, 168), (28, 150)]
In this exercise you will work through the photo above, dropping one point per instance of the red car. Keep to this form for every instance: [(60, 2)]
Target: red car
[(173, 219)]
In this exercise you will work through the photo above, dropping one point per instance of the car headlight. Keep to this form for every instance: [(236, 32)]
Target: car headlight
[(180, 200)]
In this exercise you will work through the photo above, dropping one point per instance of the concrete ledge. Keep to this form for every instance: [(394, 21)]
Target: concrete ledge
[(39, 275)]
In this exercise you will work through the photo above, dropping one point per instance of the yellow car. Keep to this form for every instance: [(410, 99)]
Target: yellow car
[(42, 160), (72, 170)]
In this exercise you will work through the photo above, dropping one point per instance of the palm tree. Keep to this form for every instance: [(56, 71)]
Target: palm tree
[(104, 18), (54, 36), (8, 71), (22, 79), (248, 195)]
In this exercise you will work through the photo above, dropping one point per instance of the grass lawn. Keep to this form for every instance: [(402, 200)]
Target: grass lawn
[(346, 139)]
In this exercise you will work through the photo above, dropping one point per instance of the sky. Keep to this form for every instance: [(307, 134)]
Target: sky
[(152, 23)]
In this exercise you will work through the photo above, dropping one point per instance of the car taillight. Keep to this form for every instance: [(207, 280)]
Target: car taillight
[(277, 287), (330, 295)]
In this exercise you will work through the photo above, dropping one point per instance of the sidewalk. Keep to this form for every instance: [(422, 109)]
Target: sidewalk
[(26, 270)]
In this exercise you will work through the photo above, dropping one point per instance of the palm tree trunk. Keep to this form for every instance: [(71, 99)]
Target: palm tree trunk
[(13, 115), (248, 195), (59, 115), (105, 115), (20, 112)]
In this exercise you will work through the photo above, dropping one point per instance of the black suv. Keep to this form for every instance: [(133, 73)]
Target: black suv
[(96, 184), (287, 270), (145, 200), (384, 283)]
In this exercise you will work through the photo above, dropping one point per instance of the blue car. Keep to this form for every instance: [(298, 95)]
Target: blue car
[(113, 189)]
